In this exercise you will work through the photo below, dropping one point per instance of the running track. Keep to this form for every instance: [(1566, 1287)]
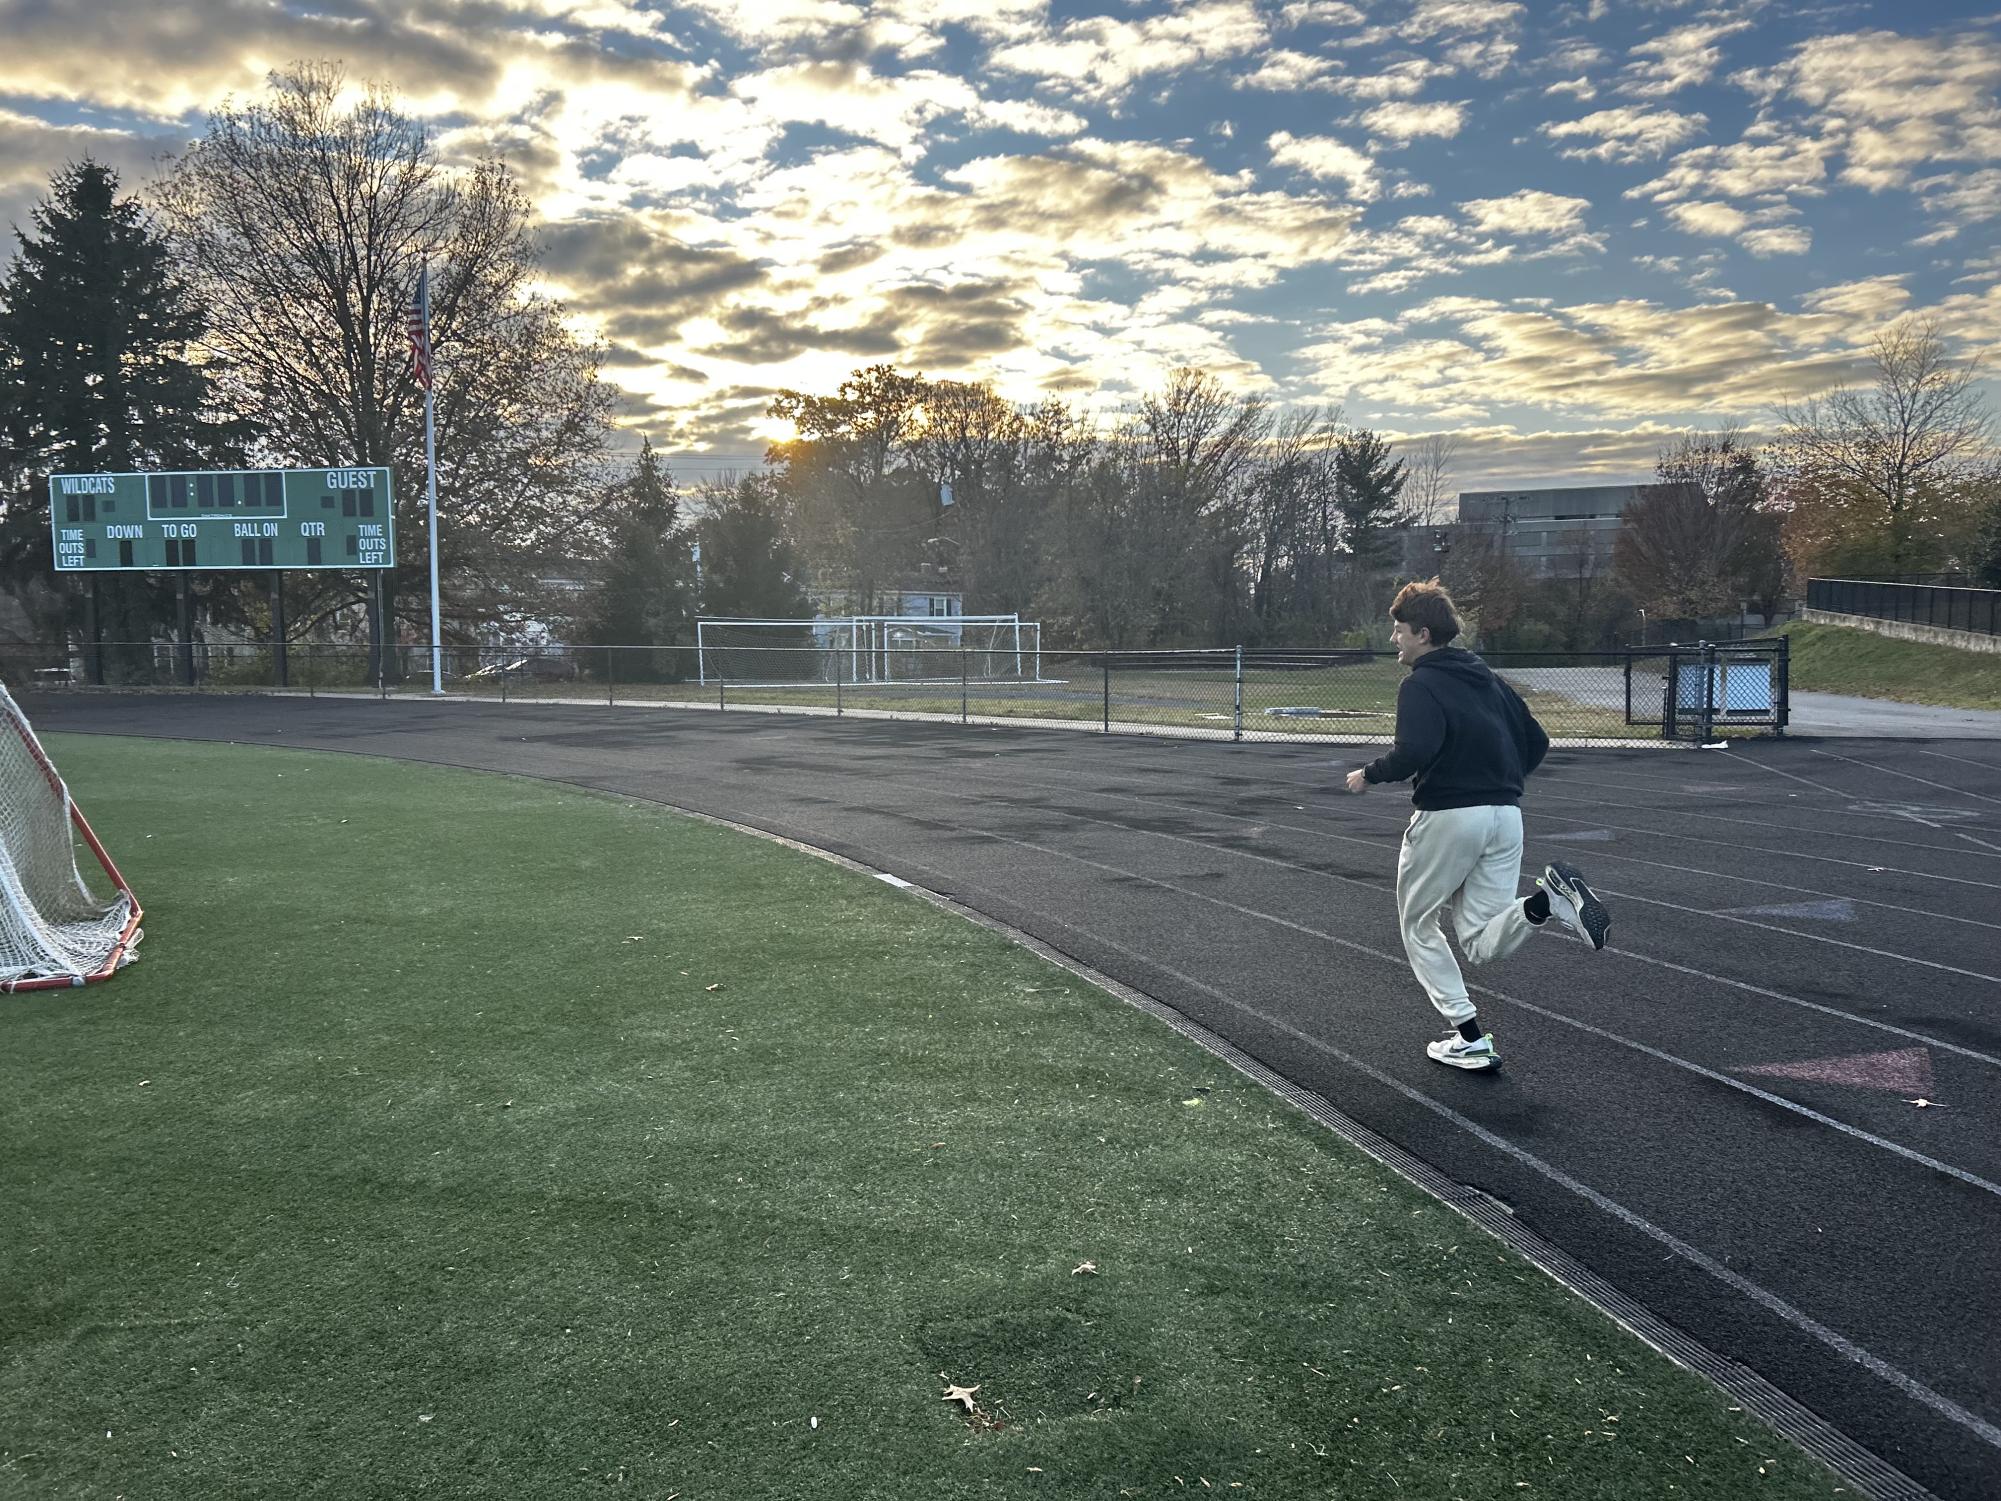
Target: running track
[(1717, 1116)]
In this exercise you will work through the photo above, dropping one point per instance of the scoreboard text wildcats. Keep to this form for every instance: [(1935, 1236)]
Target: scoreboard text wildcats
[(223, 519)]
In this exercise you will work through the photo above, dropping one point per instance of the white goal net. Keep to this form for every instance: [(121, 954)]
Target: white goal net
[(53, 929), (871, 649)]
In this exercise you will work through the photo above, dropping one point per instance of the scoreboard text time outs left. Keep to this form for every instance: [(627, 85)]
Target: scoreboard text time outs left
[(222, 519)]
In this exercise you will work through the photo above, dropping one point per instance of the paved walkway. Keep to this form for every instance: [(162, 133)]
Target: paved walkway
[(1812, 713), (1879, 718)]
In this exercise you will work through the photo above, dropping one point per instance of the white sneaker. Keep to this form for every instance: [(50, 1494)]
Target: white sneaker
[(1575, 902), (1457, 1052)]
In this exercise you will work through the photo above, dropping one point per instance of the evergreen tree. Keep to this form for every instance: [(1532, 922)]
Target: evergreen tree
[(644, 589), (96, 377), (749, 569), (1369, 491), (1986, 567)]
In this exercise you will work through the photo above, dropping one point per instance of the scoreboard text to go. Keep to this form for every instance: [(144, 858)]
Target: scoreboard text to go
[(254, 518)]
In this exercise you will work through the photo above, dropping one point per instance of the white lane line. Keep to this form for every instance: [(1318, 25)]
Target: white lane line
[(1840, 943), (1797, 1318), (1398, 960), (1909, 1385), (1543, 794), (1775, 771), (1992, 766), (1891, 771), (1729, 844), (1699, 912), (1692, 870), (1374, 888), (1793, 1000)]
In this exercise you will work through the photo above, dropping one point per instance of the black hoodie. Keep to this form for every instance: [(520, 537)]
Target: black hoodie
[(1463, 733)]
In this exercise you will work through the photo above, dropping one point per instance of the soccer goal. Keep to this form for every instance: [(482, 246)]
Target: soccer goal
[(871, 649), (53, 929)]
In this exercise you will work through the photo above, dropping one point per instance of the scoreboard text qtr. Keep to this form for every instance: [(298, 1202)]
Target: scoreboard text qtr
[(223, 519)]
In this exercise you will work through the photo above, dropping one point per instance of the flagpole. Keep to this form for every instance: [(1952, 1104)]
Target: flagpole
[(431, 476)]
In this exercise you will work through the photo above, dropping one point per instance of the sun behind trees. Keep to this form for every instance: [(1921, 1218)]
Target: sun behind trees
[(1195, 518)]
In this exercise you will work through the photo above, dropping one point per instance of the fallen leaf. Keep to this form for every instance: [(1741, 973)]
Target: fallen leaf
[(961, 1394), (144, 1082), (1089, 1268)]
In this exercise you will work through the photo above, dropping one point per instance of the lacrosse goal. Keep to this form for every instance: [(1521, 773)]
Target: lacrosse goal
[(53, 929)]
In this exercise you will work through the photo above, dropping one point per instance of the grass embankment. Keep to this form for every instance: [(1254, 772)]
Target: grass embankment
[(476, 1137), (1843, 659)]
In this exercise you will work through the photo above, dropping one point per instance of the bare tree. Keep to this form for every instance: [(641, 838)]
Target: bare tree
[(1488, 583), (1148, 536), (1701, 539), (1192, 446), (1291, 491), (301, 219), (1897, 444), (1429, 488)]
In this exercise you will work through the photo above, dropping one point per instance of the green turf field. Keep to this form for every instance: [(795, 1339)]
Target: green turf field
[(467, 1136)]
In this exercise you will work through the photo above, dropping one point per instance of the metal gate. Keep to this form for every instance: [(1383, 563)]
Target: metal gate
[(1693, 692)]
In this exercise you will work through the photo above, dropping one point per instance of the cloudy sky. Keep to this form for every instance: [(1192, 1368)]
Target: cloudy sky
[(1557, 230)]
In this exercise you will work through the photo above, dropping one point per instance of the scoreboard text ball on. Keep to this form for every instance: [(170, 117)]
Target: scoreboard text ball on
[(216, 519)]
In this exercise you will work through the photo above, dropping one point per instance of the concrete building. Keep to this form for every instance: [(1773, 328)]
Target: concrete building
[(1555, 530)]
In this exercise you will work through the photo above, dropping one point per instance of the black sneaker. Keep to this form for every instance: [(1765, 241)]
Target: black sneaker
[(1575, 902)]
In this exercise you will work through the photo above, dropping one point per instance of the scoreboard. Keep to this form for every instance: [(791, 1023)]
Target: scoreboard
[(222, 519)]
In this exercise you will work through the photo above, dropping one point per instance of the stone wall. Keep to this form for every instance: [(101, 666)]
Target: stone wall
[(1936, 635)]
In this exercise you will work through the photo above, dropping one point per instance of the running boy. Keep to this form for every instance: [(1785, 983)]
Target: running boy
[(1470, 742)]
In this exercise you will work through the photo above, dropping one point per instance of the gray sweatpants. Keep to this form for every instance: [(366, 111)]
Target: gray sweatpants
[(1468, 860)]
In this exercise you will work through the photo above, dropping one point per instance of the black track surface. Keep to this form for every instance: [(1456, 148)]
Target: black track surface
[(1828, 1232)]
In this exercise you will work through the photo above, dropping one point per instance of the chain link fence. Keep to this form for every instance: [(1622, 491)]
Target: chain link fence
[(1232, 694)]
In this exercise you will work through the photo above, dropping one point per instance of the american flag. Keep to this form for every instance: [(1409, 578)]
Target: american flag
[(420, 330)]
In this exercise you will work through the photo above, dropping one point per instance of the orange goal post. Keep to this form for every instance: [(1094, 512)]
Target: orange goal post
[(54, 931)]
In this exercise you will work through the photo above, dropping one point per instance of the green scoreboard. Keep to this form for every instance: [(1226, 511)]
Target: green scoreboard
[(218, 519)]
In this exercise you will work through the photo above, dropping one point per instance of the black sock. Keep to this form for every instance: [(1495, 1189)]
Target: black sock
[(1536, 908), (1470, 1029)]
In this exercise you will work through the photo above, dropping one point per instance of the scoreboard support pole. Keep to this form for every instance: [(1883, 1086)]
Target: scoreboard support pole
[(278, 664), (184, 622), (93, 636), (378, 637)]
